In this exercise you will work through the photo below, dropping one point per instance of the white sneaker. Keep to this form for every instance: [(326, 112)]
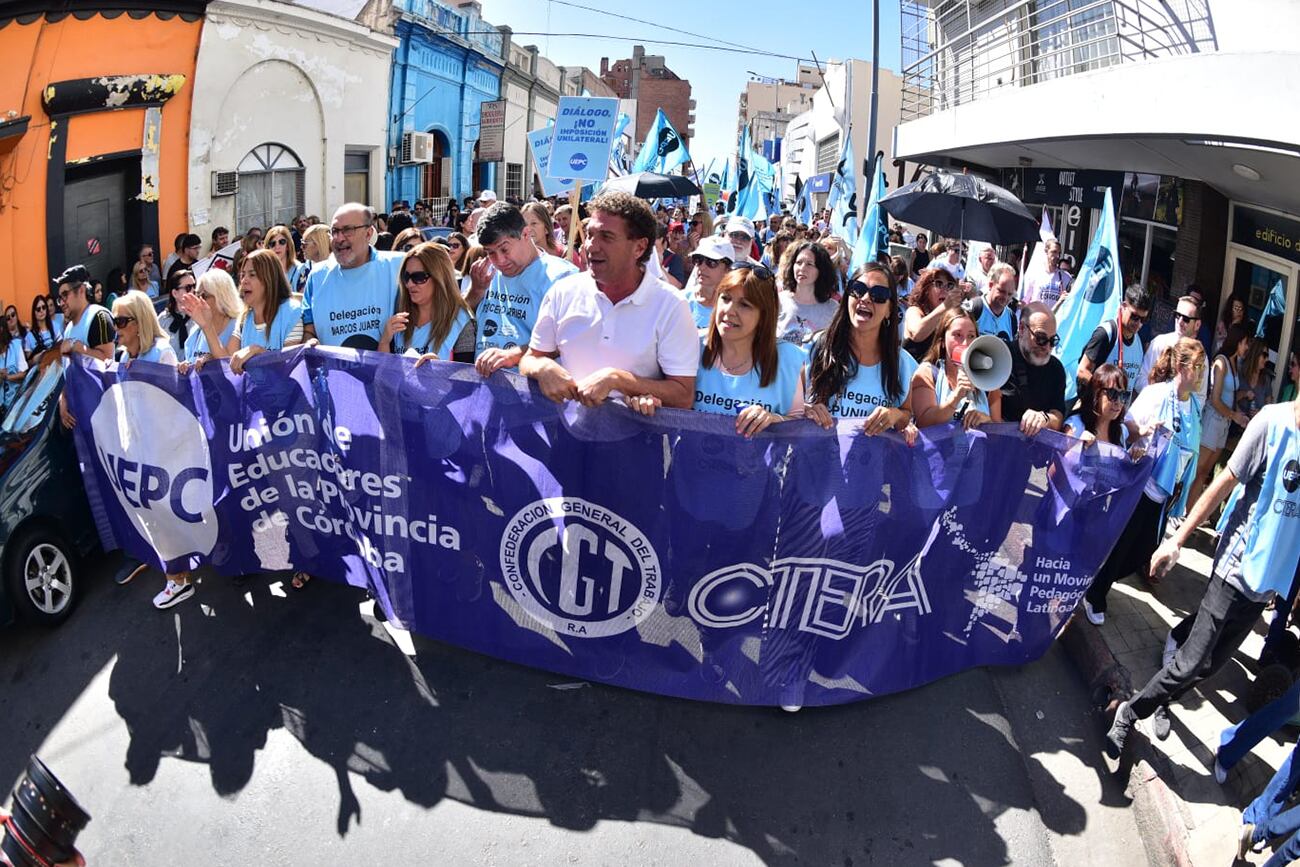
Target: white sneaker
[(1171, 648), (1096, 618), (791, 708), (172, 594)]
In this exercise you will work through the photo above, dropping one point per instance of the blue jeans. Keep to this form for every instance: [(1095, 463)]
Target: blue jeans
[(1264, 812), (1240, 739)]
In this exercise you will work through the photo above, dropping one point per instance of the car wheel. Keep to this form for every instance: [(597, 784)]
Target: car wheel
[(41, 570)]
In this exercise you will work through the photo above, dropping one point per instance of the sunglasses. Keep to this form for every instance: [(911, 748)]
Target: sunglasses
[(205, 296), (878, 294), (278, 242), (1137, 317), (695, 222), (186, 287), (1114, 394), (419, 278), (123, 321), (1178, 317), (760, 271), (705, 261), (1041, 339)]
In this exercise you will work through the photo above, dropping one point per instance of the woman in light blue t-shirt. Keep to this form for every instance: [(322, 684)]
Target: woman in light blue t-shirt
[(432, 319), (942, 390), (273, 318), (856, 367), (744, 370)]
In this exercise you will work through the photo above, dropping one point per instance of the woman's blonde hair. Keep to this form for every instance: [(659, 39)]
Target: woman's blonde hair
[(291, 254), (472, 255), (137, 305), (225, 297), (136, 270), (318, 234), (1186, 350), (444, 296)]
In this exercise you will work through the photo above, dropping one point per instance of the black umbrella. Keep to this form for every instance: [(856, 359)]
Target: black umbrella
[(652, 185), (962, 206)]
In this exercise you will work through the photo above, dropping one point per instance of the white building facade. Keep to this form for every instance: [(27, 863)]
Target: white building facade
[(1180, 110), (289, 115)]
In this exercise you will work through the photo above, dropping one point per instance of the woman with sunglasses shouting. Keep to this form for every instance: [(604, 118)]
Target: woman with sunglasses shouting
[(1169, 402), (941, 390), (432, 319), (856, 367)]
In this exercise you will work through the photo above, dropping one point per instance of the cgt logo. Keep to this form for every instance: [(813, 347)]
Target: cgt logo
[(579, 568), (1291, 476), (155, 454)]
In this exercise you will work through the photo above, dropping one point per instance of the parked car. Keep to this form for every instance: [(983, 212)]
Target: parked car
[(45, 521)]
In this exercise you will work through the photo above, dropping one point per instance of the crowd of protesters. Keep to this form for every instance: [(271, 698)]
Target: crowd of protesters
[(766, 323)]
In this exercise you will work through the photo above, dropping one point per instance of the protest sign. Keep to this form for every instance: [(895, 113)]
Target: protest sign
[(539, 143), (665, 554), (583, 137)]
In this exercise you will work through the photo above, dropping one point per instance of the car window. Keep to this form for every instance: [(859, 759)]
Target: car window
[(40, 390)]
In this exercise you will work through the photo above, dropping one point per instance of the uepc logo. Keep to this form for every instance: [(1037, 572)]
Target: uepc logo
[(155, 454), (579, 568)]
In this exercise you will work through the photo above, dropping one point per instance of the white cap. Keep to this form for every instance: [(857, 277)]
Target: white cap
[(740, 224), (715, 248), (487, 196)]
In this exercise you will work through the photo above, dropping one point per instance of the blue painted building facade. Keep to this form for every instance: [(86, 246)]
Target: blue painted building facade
[(447, 64)]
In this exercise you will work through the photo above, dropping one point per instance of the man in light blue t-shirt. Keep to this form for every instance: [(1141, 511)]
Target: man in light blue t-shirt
[(349, 298), (507, 287)]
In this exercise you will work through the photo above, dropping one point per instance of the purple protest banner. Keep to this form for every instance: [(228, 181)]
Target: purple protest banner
[(669, 555)]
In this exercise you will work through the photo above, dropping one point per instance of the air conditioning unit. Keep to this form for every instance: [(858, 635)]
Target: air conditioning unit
[(225, 183), (417, 147)]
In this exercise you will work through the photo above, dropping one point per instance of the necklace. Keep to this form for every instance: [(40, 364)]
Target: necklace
[(743, 368)]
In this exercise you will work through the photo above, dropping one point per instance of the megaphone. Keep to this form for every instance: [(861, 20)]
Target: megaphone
[(987, 362)]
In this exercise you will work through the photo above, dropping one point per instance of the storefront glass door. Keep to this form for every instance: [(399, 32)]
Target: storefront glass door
[(1268, 288)]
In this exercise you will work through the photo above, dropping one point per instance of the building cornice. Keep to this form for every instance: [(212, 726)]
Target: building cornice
[(287, 19)]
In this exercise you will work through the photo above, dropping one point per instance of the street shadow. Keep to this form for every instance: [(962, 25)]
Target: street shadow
[(876, 781)]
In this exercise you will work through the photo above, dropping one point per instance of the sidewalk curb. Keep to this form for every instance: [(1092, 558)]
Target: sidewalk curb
[(1156, 809)]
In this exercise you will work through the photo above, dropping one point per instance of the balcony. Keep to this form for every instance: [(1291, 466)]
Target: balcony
[(443, 20), (958, 51)]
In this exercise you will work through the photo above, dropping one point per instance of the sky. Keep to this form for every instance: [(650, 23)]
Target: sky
[(838, 29)]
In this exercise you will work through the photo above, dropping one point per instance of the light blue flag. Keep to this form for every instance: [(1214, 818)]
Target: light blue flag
[(616, 159), (663, 149), (1094, 298), (1276, 306), (756, 178), (875, 225), (844, 196), (803, 205)]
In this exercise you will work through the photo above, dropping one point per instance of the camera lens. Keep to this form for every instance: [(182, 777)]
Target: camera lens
[(45, 822)]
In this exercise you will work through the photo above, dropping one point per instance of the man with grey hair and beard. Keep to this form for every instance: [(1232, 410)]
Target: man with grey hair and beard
[(348, 299), (1034, 393)]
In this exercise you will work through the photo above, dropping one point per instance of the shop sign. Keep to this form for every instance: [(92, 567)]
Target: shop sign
[(1266, 232)]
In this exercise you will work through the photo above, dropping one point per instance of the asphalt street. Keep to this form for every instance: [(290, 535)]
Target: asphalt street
[(264, 726)]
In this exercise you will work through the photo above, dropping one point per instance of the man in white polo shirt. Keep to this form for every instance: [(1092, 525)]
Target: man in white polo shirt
[(615, 329)]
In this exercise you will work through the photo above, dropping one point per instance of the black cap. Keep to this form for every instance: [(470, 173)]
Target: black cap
[(74, 274)]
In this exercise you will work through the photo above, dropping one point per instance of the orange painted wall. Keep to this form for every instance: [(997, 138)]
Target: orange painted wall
[(41, 52)]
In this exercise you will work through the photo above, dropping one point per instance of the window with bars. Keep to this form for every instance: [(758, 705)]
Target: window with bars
[(514, 180), (828, 153), (272, 184)]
